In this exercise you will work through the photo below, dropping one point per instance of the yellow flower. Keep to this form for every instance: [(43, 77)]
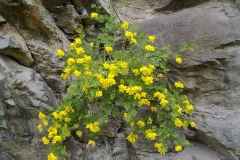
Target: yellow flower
[(60, 53), (57, 125), (132, 124), (123, 64), (147, 71), (70, 61), (67, 70), (55, 115), (77, 73), (149, 48), (178, 122), (108, 49), (147, 80), (45, 122), (79, 133), (129, 34), (122, 88), (149, 120), (78, 41), (91, 44), (179, 109), (153, 109), (151, 38), (121, 81), (126, 115), (93, 127), (94, 15), (178, 84), (41, 115), (164, 102), (85, 87), (56, 139), (178, 148), (140, 123), (160, 75), (189, 108), (192, 124), (125, 25), (39, 127), (179, 60), (136, 72), (64, 76), (150, 134), (133, 40), (186, 102), (62, 113), (144, 101), (80, 50), (132, 137), (51, 156), (91, 142), (72, 46), (158, 145), (67, 119), (76, 125), (98, 93), (45, 140)]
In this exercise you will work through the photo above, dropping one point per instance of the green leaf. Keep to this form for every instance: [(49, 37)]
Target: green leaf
[(192, 47), (122, 3), (93, 6), (183, 47)]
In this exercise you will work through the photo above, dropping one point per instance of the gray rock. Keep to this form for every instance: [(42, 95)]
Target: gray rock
[(23, 94), (78, 6), (23, 88), (13, 44), (48, 65), (2, 19), (66, 17), (197, 151), (210, 74), (42, 36), (176, 5), (85, 18), (120, 148), (136, 10)]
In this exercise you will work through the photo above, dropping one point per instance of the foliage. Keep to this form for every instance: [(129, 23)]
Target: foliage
[(115, 75)]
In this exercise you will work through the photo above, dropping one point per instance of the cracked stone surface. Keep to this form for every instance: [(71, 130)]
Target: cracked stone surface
[(210, 73)]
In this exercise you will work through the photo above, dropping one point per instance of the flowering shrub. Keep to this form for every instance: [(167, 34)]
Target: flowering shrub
[(120, 71)]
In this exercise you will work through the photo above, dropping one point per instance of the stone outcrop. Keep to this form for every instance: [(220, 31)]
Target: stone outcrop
[(13, 44), (209, 73), (23, 93), (32, 30), (36, 25)]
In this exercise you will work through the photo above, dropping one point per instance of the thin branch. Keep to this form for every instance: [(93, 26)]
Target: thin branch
[(111, 4)]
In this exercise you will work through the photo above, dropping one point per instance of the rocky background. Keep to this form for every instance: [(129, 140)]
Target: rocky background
[(32, 30)]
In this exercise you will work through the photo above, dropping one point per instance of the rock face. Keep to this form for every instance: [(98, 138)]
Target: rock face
[(35, 24), (32, 30), (209, 73), (13, 45), (23, 94)]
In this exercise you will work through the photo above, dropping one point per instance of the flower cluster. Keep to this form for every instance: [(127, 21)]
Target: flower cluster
[(94, 127), (160, 148), (150, 134), (132, 137), (42, 116), (129, 71), (94, 15), (178, 84)]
